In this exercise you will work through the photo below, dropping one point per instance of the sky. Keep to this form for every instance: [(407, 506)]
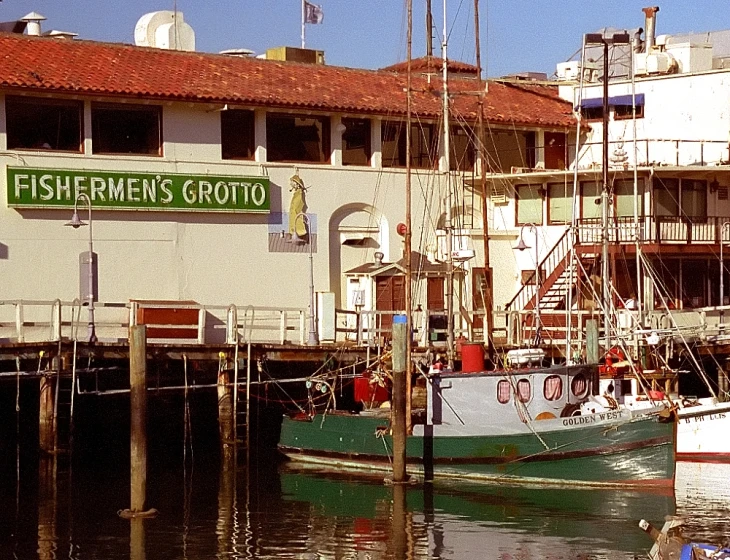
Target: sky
[(516, 35)]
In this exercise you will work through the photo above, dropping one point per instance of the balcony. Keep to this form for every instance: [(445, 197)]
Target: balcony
[(659, 230)]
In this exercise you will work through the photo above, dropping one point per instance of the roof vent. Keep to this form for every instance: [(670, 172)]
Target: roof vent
[(56, 34), (33, 20), (241, 53), (164, 30)]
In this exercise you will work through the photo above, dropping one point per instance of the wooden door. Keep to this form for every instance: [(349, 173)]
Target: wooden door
[(390, 295), (554, 150)]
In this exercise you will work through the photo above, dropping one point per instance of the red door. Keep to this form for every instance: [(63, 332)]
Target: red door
[(390, 295)]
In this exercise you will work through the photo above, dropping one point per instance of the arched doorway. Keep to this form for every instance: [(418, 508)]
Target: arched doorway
[(357, 231)]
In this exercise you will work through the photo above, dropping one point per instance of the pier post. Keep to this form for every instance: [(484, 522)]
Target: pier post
[(592, 341), (46, 425), (398, 411), (138, 404), (226, 422)]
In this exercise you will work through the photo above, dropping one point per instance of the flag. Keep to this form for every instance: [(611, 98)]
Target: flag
[(313, 13)]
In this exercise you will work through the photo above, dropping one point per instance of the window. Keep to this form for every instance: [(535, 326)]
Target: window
[(297, 138), (694, 199), (503, 391), (560, 203), (126, 129), (590, 192), (462, 149), (529, 204), (579, 385), (524, 392), (43, 124), (356, 142), (423, 145), (552, 388), (686, 198), (666, 197), (237, 134), (592, 113), (623, 196), (626, 112)]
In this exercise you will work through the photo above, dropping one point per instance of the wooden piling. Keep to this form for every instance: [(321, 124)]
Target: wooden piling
[(138, 404), (226, 422), (46, 425), (399, 398)]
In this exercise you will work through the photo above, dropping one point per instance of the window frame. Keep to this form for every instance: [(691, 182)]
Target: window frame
[(568, 188), (422, 147), (36, 103), (155, 136)]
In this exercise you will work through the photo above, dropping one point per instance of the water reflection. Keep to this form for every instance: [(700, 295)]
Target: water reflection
[(211, 510)]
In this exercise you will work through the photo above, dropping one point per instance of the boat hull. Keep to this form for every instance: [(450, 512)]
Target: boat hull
[(587, 450), (702, 432)]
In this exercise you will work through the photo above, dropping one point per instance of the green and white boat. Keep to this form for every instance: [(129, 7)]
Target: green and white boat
[(531, 425)]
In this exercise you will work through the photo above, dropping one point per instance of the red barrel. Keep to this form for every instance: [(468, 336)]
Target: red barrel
[(472, 357)]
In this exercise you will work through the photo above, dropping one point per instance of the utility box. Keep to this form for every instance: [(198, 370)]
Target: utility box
[(294, 54), (84, 264)]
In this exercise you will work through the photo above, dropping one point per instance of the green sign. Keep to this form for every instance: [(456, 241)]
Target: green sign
[(114, 190)]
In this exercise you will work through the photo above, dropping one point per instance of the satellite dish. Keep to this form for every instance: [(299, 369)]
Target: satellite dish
[(164, 30)]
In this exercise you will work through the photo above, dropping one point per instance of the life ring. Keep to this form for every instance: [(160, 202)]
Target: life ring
[(570, 409)]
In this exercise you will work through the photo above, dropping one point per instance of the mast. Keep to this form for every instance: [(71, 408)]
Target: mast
[(408, 239), (447, 224), (488, 290), (429, 30), (604, 207)]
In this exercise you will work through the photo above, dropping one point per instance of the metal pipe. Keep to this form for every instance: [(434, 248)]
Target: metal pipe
[(312, 339)]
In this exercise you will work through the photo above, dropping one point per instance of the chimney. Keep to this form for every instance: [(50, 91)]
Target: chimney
[(33, 20), (650, 26), (378, 258)]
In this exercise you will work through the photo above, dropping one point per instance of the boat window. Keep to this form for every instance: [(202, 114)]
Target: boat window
[(237, 134), (553, 388), (356, 142), (297, 138), (126, 129), (579, 385), (43, 124), (503, 391), (524, 391), (529, 204)]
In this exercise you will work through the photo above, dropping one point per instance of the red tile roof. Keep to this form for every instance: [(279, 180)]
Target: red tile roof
[(45, 64), (434, 65)]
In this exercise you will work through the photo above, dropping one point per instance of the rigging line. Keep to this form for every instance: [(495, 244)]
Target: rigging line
[(693, 359)]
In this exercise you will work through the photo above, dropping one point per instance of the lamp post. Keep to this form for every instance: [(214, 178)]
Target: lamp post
[(312, 339), (599, 39), (722, 264), (521, 246), (77, 223)]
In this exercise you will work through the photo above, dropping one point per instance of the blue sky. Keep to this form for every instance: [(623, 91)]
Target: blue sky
[(517, 35)]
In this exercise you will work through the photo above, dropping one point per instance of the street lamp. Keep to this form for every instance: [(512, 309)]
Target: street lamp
[(77, 223), (312, 339), (722, 264), (521, 246)]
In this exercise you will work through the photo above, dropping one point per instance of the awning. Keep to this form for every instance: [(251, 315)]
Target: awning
[(614, 100)]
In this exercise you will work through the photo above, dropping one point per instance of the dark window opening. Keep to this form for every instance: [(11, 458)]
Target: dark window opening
[(44, 124), (237, 134), (621, 112), (126, 129), (295, 138), (356, 142), (592, 113), (423, 145), (463, 152)]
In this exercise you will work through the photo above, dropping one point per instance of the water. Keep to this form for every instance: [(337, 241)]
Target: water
[(276, 510)]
